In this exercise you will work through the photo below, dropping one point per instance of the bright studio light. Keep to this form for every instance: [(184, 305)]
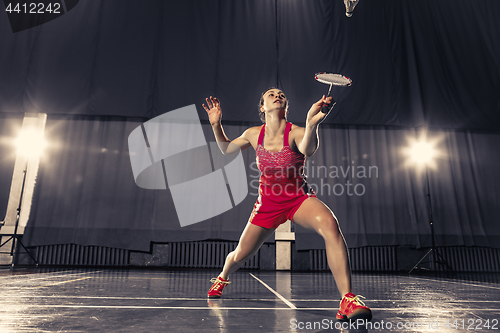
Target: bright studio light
[(422, 152), (30, 143)]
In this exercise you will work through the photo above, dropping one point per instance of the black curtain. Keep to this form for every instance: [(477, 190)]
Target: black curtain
[(86, 194), (390, 206), (105, 67), (412, 63)]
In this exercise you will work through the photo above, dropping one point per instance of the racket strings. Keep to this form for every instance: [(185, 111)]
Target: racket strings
[(335, 79)]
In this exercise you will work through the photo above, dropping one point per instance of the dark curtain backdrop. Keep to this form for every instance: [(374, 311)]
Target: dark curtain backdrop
[(394, 210), (105, 67), (412, 62), (86, 192)]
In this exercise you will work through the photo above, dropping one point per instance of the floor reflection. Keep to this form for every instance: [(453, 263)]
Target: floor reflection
[(256, 301)]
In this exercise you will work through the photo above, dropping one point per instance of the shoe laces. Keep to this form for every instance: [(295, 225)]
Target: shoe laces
[(214, 280), (356, 299)]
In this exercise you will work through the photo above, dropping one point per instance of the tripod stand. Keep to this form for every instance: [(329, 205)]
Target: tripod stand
[(433, 248), (15, 236)]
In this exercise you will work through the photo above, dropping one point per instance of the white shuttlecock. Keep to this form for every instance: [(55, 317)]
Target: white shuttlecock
[(349, 6)]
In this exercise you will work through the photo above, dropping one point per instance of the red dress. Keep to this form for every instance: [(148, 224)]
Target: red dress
[(282, 184)]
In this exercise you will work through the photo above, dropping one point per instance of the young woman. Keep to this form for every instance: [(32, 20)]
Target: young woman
[(281, 149)]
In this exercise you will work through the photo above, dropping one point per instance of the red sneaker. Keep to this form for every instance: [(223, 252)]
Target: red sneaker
[(352, 308), (218, 285)]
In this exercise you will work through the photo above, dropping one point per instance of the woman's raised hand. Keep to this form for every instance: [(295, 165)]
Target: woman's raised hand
[(213, 109), (315, 116)]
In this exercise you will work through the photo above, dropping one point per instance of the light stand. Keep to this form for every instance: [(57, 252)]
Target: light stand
[(29, 144), (15, 236), (433, 248)]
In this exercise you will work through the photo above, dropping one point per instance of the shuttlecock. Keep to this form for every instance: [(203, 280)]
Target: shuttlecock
[(349, 6)]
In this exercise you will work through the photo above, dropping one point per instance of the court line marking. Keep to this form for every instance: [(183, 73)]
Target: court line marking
[(137, 298), (153, 307), (15, 276), (458, 282), (204, 298), (61, 282), (20, 280), (117, 307), (274, 292), (475, 315)]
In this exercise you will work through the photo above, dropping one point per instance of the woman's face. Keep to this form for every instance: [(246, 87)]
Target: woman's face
[(274, 99)]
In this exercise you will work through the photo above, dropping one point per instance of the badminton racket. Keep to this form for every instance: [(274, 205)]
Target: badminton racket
[(332, 80)]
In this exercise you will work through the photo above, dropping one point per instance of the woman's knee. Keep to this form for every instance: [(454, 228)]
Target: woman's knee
[(328, 225), (240, 256)]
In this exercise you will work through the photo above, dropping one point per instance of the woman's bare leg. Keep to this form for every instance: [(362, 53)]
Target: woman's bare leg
[(314, 214), (250, 242)]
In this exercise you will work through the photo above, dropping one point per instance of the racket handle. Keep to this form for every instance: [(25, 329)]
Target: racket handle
[(326, 108)]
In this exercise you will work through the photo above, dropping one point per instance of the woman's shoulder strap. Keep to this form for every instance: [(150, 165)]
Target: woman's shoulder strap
[(288, 128), (261, 135)]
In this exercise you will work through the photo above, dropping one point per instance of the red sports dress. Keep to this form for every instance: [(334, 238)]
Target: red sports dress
[(282, 184)]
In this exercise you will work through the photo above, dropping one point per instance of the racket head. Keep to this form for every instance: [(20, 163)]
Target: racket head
[(333, 79)]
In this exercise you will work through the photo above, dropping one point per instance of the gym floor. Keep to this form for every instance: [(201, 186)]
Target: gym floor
[(133, 300)]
